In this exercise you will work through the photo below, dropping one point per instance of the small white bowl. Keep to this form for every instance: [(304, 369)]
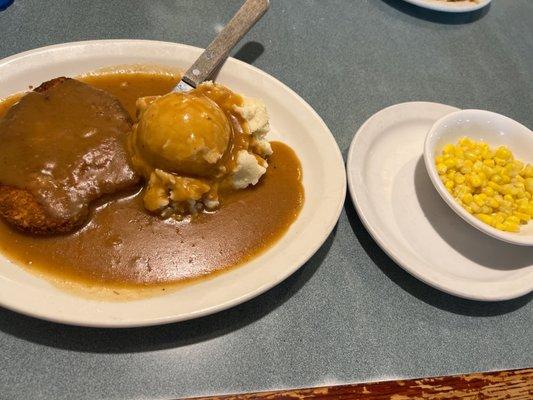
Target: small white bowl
[(494, 129)]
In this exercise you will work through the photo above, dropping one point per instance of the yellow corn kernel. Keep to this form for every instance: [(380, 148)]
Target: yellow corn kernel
[(510, 226), (448, 149), (494, 186), (505, 189), (526, 209), (527, 172), (489, 162), (519, 165), (449, 185), (459, 178), (496, 178), (486, 209), (488, 171), (450, 174), (506, 210), (486, 154), (475, 208), (500, 226), (499, 218), (523, 217), (478, 165), (513, 219), (506, 206), (511, 170), (478, 200), (488, 191), (500, 161), (467, 198), (470, 156), (492, 202), (488, 219), (509, 198), (442, 168), (503, 153), (450, 162), (520, 186), (529, 185), (522, 202), (475, 180), (460, 190), (465, 141)]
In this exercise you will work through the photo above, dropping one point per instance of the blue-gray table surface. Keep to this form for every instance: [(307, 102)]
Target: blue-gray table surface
[(350, 314)]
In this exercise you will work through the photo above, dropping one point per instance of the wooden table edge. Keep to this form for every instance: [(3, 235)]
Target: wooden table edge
[(508, 384)]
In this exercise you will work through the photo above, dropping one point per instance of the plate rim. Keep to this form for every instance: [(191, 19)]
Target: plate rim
[(383, 242), (303, 257), (444, 7)]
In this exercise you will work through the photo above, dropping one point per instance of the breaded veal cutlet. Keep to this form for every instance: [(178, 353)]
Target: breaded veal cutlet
[(46, 204)]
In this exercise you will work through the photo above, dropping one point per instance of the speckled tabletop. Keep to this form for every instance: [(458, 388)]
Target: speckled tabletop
[(350, 314)]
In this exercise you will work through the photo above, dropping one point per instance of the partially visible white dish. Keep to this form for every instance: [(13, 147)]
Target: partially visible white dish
[(450, 6), (403, 212), (293, 122)]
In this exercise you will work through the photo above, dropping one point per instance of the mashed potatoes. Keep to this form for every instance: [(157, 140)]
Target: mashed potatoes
[(183, 133), (190, 147), (254, 112)]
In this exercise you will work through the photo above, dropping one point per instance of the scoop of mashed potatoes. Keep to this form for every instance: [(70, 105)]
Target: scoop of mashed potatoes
[(183, 133), (189, 145)]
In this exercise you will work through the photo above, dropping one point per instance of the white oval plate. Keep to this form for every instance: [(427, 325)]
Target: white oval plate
[(403, 212), (455, 6), (294, 122)]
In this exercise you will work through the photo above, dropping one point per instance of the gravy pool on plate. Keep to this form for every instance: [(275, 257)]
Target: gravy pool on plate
[(124, 246)]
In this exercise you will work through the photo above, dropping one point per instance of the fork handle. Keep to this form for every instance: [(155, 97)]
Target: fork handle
[(217, 52)]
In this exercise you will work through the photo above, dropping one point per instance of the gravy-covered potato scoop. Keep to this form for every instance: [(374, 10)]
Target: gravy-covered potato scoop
[(191, 147), (183, 133)]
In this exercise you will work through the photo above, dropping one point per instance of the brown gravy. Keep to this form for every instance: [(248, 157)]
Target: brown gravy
[(123, 246)]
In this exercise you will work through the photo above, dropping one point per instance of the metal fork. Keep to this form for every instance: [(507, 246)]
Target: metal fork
[(217, 52)]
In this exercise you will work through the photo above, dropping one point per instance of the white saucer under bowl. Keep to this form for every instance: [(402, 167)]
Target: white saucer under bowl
[(293, 121), (401, 209)]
